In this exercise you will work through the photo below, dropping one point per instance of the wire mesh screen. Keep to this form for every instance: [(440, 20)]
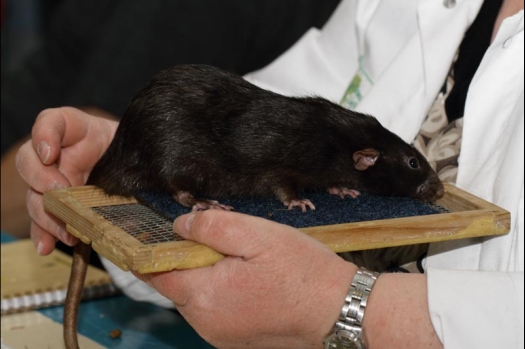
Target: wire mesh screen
[(139, 221), (149, 227)]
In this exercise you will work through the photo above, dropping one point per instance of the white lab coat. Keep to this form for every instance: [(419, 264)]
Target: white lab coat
[(408, 48)]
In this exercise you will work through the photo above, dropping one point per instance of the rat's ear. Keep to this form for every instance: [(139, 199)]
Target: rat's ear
[(365, 158)]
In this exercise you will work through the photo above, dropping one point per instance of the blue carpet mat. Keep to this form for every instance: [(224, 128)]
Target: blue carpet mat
[(330, 209)]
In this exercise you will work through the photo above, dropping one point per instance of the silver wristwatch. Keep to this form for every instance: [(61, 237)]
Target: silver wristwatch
[(347, 332)]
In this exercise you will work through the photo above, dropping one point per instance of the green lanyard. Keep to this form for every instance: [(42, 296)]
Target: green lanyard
[(359, 86), (362, 80)]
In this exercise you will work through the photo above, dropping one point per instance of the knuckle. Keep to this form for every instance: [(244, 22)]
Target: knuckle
[(44, 114), (47, 120)]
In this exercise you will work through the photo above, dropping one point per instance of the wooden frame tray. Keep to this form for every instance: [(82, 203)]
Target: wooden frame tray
[(469, 216)]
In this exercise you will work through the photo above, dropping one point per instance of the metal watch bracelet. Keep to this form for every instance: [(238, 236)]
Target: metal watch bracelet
[(347, 331)]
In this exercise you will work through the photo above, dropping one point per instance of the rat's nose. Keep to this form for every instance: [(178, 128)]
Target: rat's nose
[(431, 190), (440, 191)]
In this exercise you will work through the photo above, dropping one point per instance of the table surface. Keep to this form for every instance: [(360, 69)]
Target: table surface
[(143, 325)]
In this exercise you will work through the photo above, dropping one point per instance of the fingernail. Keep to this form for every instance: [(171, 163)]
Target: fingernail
[(56, 185), (189, 222), (40, 248), (43, 150), (182, 224), (36, 240)]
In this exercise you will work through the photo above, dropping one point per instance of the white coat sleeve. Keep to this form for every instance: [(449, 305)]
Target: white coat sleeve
[(476, 309), (134, 288)]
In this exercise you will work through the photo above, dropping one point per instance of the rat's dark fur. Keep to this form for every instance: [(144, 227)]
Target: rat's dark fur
[(203, 130)]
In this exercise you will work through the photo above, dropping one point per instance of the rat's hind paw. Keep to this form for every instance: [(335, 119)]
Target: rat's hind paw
[(302, 203), (342, 192), (210, 204)]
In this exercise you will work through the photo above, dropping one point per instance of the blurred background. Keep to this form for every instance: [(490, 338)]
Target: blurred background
[(27, 23), (95, 55)]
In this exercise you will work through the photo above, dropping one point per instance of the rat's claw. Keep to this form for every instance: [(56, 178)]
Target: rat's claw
[(342, 192), (302, 203), (202, 205), (223, 207)]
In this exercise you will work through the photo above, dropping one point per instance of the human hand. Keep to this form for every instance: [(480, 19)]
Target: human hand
[(65, 145), (276, 287)]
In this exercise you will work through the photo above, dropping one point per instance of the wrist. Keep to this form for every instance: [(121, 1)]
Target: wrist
[(397, 307), (347, 332), (336, 299)]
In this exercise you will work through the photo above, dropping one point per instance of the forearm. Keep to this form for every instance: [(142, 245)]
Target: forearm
[(397, 314)]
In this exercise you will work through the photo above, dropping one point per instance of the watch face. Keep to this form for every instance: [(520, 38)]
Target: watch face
[(343, 340)]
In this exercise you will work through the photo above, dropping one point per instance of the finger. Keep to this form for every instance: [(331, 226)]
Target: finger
[(44, 242), (234, 234), (57, 128), (45, 221), (38, 176)]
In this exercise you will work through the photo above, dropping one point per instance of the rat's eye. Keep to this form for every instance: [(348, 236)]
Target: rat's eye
[(414, 163)]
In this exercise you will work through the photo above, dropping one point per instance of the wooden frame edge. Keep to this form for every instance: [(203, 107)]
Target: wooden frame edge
[(474, 217)]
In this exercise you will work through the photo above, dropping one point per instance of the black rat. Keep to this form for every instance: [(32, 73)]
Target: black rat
[(198, 132)]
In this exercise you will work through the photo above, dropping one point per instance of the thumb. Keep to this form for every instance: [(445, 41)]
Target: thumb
[(232, 233)]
